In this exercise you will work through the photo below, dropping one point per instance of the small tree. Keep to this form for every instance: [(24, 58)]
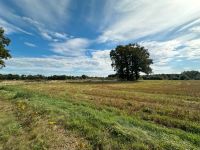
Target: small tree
[(4, 53), (129, 60), (84, 77)]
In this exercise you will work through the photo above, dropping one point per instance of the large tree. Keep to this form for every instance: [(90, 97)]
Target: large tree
[(129, 60), (4, 53)]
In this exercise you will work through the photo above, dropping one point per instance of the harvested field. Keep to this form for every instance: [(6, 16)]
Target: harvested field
[(85, 115)]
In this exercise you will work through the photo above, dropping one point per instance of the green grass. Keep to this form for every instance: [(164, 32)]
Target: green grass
[(143, 115)]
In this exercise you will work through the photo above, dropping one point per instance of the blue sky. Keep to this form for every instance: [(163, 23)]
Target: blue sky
[(74, 37)]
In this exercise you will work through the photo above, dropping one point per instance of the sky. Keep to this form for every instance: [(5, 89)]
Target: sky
[(74, 37)]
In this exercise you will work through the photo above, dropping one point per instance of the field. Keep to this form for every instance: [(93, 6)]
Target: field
[(101, 116)]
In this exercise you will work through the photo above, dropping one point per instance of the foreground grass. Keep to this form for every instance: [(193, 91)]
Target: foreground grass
[(143, 115)]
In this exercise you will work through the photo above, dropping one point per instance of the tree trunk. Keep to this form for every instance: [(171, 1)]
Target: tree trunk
[(137, 75)]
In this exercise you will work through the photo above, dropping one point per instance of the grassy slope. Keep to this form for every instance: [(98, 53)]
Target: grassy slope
[(143, 115)]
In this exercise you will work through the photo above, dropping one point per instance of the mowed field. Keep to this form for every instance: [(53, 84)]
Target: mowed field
[(102, 116)]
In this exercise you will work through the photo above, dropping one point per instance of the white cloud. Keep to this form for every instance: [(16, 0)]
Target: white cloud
[(191, 50), (46, 33), (50, 13), (45, 16), (61, 35), (164, 69), (10, 21), (162, 52), (10, 28), (190, 24), (166, 53), (7, 27), (195, 29), (71, 47), (103, 59), (129, 20), (30, 44), (53, 36), (96, 65)]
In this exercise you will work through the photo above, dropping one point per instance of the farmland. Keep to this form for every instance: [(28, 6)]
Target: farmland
[(99, 115)]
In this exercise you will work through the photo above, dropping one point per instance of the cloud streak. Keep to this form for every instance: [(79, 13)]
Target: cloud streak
[(44, 32), (30, 44), (10, 28), (50, 13), (137, 19)]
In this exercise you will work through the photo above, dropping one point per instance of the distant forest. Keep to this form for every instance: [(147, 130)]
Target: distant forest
[(186, 75)]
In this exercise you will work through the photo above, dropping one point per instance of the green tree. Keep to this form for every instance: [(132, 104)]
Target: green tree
[(129, 60), (191, 75), (4, 53), (84, 77)]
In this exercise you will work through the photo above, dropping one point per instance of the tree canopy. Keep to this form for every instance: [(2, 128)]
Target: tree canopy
[(4, 53), (129, 60)]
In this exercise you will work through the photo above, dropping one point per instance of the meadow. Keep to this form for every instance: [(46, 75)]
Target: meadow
[(139, 115)]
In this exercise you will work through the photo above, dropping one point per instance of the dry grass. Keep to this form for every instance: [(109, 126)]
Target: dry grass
[(171, 106), (176, 99)]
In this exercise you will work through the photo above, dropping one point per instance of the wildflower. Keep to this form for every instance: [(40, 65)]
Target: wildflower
[(52, 122)]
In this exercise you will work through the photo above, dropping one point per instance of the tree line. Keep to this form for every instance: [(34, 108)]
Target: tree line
[(42, 77), (186, 75)]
